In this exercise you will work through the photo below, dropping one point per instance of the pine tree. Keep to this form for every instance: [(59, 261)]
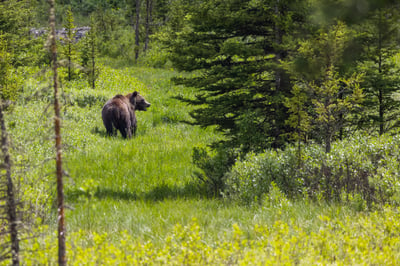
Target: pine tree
[(149, 19), (89, 55), (137, 30), (299, 118), (62, 259), (69, 41), (380, 35), (8, 90), (331, 95), (16, 18), (331, 106), (235, 49)]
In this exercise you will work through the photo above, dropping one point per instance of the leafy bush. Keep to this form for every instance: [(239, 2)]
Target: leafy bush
[(362, 168), (85, 98), (119, 44), (213, 166), (365, 239), (156, 56), (251, 178)]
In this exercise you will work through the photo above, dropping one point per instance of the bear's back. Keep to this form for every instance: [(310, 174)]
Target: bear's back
[(119, 100), (117, 106)]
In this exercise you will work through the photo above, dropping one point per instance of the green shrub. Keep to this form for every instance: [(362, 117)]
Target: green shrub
[(156, 56), (362, 239), (364, 168), (213, 167), (251, 178)]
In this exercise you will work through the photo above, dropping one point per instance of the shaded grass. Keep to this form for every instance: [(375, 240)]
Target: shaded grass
[(153, 220)]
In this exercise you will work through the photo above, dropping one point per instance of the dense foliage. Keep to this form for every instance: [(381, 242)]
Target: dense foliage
[(361, 239), (235, 49), (295, 110), (361, 167), (268, 73)]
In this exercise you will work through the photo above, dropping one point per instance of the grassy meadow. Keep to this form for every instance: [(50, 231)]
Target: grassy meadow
[(135, 202)]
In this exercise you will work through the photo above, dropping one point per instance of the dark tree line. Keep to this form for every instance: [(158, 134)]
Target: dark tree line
[(124, 28)]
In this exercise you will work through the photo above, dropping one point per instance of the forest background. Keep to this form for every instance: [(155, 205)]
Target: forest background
[(272, 135)]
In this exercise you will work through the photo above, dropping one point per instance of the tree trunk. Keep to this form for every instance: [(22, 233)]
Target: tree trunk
[(149, 9), (11, 203), (69, 60), (298, 136), (328, 135), (93, 51), (57, 127), (278, 75), (328, 144), (278, 41), (381, 113), (380, 89), (137, 30)]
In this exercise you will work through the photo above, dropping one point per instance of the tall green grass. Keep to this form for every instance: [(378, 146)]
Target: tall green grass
[(154, 164), (137, 195)]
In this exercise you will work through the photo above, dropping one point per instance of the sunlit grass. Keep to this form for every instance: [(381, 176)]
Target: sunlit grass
[(149, 219), (210, 232), (123, 195)]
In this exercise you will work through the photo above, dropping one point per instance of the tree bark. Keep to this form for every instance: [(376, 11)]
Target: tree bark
[(137, 30), (69, 60), (278, 73), (57, 127), (93, 52), (11, 203), (149, 9), (380, 90)]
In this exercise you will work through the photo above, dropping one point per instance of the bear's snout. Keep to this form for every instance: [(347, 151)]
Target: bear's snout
[(143, 105)]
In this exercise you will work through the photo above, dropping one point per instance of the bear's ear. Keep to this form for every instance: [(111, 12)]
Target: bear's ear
[(132, 98)]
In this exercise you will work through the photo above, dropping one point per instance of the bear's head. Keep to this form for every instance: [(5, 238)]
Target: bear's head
[(139, 101)]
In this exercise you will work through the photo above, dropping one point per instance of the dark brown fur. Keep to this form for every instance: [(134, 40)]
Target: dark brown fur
[(119, 113)]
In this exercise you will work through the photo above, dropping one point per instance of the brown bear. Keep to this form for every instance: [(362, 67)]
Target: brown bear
[(119, 113)]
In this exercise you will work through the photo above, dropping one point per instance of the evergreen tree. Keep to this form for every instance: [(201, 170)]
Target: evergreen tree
[(380, 36), (137, 31), (299, 118), (349, 11), (89, 55), (149, 18), (235, 49), (332, 95), (16, 18), (331, 105), (8, 197), (61, 236), (69, 42)]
